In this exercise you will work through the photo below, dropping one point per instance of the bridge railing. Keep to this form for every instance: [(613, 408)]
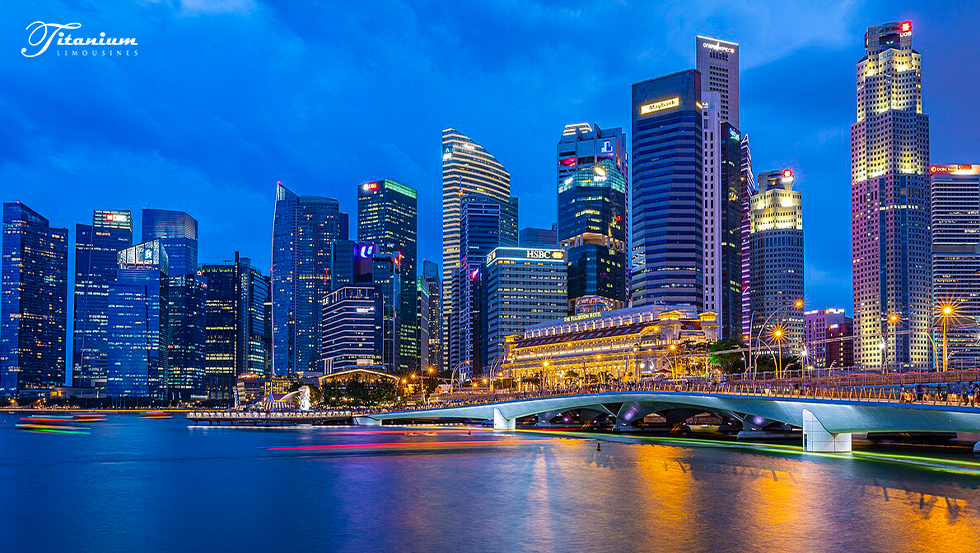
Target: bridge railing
[(958, 395)]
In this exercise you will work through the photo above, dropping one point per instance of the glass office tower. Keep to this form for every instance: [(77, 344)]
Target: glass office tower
[(96, 251), (238, 340), (304, 228), (593, 177), (33, 302), (187, 339), (177, 232), (668, 190), (387, 216), (138, 323)]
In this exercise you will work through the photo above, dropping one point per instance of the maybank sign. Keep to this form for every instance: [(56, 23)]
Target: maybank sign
[(659, 106)]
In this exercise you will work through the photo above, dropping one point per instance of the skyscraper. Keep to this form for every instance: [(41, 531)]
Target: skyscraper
[(668, 210), (467, 168), (303, 230), (717, 61), (776, 246), (593, 177), (747, 189), (485, 223), (530, 237), (177, 232), (238, 340), (137, 363), (722, 218), (387, 216), (387, 279), (430, 275), (890, 237), (33, 302), (187, 337), (956, 259), (422, 308), (525, 286), (96, 249)]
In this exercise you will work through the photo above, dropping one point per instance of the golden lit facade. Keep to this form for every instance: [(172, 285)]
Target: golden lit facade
[(623, 345), (890, 236)]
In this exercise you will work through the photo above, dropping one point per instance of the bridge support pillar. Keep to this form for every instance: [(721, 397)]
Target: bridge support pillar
[(817, 438), (500, 422), (366, 421)]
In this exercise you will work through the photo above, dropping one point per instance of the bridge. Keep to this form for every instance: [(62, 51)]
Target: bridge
[(827, 416)]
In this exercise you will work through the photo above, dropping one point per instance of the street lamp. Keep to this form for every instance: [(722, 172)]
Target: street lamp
[(946, 312), (777, 335)]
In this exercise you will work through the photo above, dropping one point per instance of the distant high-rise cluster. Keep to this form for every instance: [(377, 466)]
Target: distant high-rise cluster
[(679, 226)]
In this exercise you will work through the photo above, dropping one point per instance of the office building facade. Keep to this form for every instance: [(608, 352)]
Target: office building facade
[(747, 189), (722, 218), (717, 61), (956, 259), (593, 179), (387, 216), (485, 223), (239, 341), (531, 237), (524, 286), (177, 231), (890, 236), (304, 228), (137, 362), (430, 276), (668, 190), (776, 246), (823, 332), (352, 328), (187, 338), (467, 168), (33, 302), (96, 251)]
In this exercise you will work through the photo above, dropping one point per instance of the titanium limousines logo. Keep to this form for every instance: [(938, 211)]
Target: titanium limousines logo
[(41, 34)]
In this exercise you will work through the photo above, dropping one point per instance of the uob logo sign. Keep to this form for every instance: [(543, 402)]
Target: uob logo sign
[(41, 34)]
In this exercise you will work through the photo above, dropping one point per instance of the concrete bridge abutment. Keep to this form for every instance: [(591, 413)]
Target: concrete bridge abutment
[(500, 422), (818, 439)]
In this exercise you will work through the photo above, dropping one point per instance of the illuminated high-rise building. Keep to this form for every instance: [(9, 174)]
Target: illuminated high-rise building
[(33, 302), (668, 191), (717, 61), (238, 340), (177, 232), (776, 246), (524, 287), (890, 236), (387, 216), (304, 228), (139, 308), (485, 223), (96, 249), (722, 218), (467, 168), (956, 259), (747, 189), (430, 276), (593, 179)]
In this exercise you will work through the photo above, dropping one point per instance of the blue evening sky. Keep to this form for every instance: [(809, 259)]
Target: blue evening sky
[(227, 96)]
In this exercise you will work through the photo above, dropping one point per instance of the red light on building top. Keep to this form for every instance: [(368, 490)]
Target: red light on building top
[(787, 173), (906, 26), (278, 182)]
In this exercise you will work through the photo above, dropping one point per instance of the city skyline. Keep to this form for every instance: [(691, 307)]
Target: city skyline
[(812, 141)]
